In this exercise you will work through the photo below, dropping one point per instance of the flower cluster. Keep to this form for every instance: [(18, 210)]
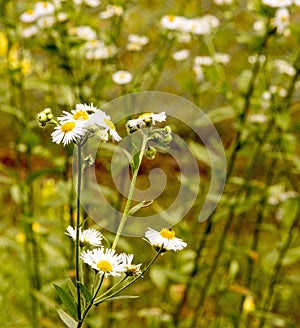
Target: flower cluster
[(82, 122), (146, 119), (106, 262), (196, 26)]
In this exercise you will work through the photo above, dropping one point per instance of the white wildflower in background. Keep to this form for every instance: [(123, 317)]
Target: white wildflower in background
[(184, 37), (222, 58), (29, 16), (281, 19), (164, 240), (30, 31), (96, 49), (284, 67), (104, 261), (136, 42), (84, 33), (278, 3), (175, 23), (257, 118), (86, 237), (44, 8), (203, 61), (181, 55), (90, 3), (122, 77), (45, 22), (146, 119), (110, 11), (223, 2), (198, 73)]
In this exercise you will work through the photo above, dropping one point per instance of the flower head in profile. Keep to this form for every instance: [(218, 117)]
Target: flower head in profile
[(87, 237), (146, 119), (104, 261), (164, 240), (131, 269)]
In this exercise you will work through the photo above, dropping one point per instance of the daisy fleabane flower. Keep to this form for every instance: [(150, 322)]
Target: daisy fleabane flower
[(164, 240), (278, 3), (68, 131), (90, 236), (122, 77), (82, 112), (146, 119), (131, 269), (104, 261)]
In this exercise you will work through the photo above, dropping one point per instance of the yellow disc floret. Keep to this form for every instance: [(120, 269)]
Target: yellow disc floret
[(67, 127), (104, 266), (167, 233), (81, 115)]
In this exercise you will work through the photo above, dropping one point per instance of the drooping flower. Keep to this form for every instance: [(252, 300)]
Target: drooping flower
[(122, 77), (131, 269), (146, 119), (86, 237), (104, 261), (164, 240)]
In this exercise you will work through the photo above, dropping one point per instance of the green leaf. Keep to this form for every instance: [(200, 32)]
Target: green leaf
[(67, 300), (135, 161), (14, 112), (138, 206), (200, 152), (85, 292), (70, 322)]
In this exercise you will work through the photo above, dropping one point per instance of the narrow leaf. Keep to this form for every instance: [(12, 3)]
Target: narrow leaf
[(69, 322), (85, 292), (67, 300), (139, 206)]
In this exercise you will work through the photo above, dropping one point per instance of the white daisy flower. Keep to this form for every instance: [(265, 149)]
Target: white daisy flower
[(44, 8), (175, 23), (203, 61), (122, 77), (30, 31), (146, 119), (29, 16), (86, 237), (281, 19), (181, 55), (45, 22), (67, 132), (278, 3), (110, 11), (131, 269), (164, 240), (105, 261), (85, 33)]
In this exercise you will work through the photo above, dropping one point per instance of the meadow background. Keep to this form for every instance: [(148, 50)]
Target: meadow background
[(240, 64)]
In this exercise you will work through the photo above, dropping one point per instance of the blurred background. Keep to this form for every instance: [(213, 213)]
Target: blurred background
[(239, 61)]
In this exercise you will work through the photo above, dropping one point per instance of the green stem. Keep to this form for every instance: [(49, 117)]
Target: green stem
[(77, 243), (86, 311), (131, 191)]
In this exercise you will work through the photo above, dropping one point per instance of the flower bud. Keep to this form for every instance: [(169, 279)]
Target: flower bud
[(150, 152)]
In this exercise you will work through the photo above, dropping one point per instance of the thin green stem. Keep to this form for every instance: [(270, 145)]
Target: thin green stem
[(78, 225), (131, 191), (86, 311)]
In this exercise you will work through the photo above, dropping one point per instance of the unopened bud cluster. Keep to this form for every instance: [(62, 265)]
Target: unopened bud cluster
[(45, 117)]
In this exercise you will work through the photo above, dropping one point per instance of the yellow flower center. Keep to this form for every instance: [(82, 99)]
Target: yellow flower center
[(167, 233), (109, 123), (171, 18), (145, 115), (104, 266), (81, 115), (67, 127)]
